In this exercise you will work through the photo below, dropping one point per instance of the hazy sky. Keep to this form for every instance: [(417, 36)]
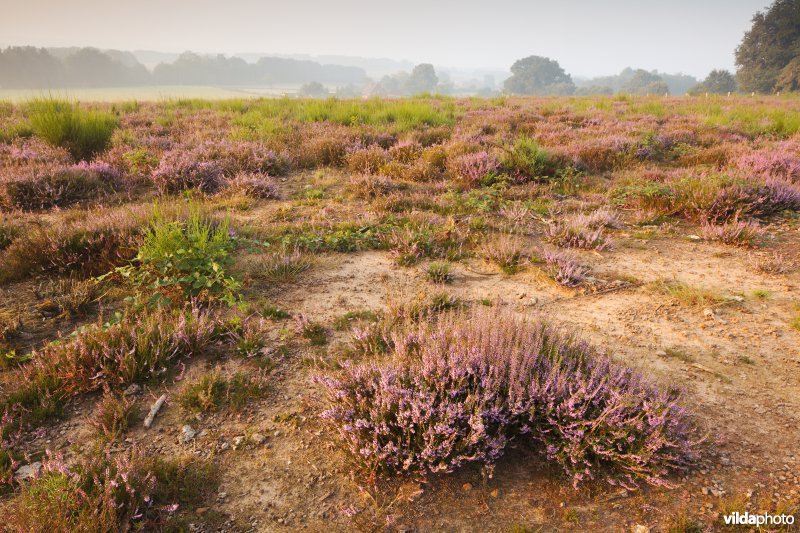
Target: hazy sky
[(588, 37)]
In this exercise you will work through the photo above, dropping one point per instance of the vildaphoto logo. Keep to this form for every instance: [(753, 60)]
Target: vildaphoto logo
[(747, 519)]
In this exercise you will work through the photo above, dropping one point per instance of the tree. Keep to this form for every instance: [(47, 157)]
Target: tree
[(538, 76), (423, 79), (717, 82), (313, 89), (643, 82), (789, 78), (770, 45)]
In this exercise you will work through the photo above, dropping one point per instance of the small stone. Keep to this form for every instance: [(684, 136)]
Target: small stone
[(639, 528), (237, 442), (466, 487), (187, 433), (132, 390), (708, 312), (27, 471), (258, 439)]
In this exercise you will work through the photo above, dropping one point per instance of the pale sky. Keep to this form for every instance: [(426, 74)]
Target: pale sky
[(588, 37)]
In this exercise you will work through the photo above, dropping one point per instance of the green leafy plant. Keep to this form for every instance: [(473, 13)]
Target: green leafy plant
[(180, 259)]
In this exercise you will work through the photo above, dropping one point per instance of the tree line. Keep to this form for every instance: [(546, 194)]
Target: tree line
[(25, 67)]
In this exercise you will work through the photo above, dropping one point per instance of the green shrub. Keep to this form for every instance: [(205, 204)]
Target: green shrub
[(185, 259), (525, 160), (83, 133)]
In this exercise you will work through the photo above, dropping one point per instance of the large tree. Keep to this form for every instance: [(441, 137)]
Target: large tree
[(539, 76), (717, 82), (423, 79), (770, 45)]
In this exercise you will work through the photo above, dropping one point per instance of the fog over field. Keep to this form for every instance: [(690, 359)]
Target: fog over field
[(466, 40)]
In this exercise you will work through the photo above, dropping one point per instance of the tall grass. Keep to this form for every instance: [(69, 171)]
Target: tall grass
[(61, 123)]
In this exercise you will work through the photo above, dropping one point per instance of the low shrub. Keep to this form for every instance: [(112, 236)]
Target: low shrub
[(258, 186), (137, 346), (366, 160), (114, 415), (179, 170), (185, 259), (89, 247), (473, 169), (564, 268), (84, 133), (467, 386), (439, 272), (738, 232), (579, 231), (46, 187), (506, 252), (525, 160)]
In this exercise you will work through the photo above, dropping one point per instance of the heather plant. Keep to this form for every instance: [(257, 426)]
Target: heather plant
[(98, 494), (577, 231), (258, 186), (179, 170), (134, 347), (55, 186), (315, 332), (370, 186), (781, 162), (564, 268), (114, 415), (185, 259), (439, 272), (464, 388), (411, 243), (473, 169), (506, 251), (737, 232), (84, 133), (366, 160), (89, 246)]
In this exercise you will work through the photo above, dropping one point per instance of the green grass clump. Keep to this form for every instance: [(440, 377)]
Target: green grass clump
[(526, 159), (185, 259), (439, 272), (213, 391), (83, 133)]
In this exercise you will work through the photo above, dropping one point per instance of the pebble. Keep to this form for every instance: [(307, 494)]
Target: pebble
[(639, 528), (187, 433), (466, 487), (258, 439), (27, 471)]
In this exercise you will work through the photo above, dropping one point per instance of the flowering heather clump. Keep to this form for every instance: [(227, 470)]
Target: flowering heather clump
[(779, 163), (576, 232), (463, 388), (737, 232), (259, 186), (774, 263), (43, 187), (366, 160), (505, 251), (405, 152), (106, 356), (474, 167), (179, 170), (98, 494), (369, 186), (564, 268), (113, 415), (753, 199), (93, 246), (235, 157)]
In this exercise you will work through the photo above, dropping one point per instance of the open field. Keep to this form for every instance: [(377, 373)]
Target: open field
[(427, 314), (147, 93)]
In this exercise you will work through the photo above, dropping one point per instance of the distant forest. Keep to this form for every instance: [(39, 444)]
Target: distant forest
[(41, 68)]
